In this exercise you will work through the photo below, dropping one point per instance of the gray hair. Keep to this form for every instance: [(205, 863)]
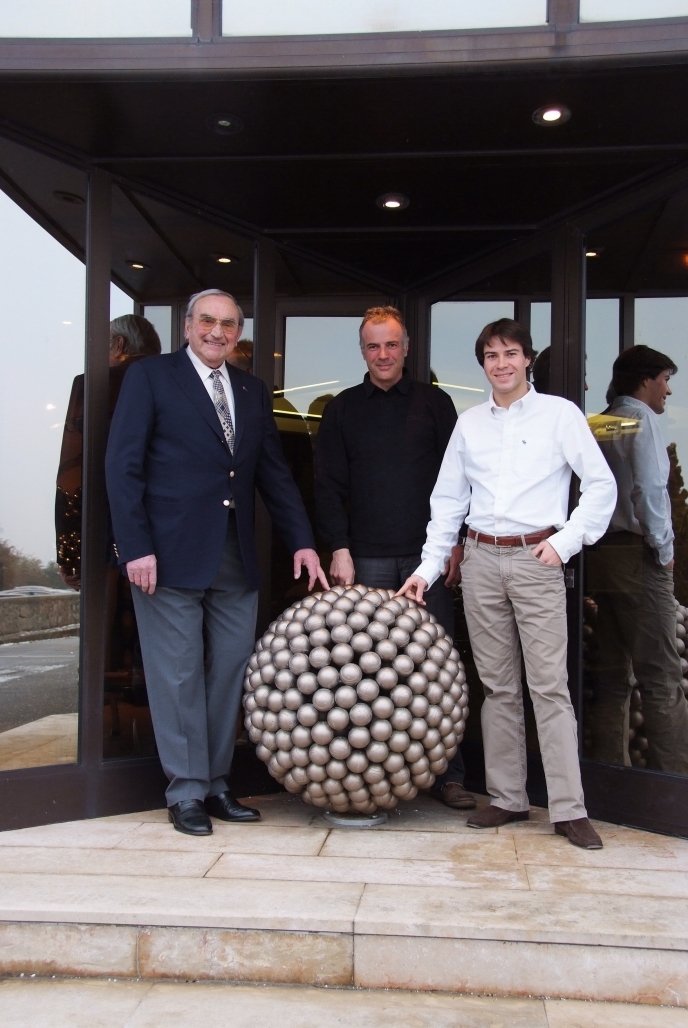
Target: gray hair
[(212, 292), (140, 338)]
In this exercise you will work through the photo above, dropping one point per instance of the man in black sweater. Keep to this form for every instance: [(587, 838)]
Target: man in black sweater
[(378, 454)]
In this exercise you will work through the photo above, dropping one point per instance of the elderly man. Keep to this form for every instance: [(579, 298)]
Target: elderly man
[(379, 449), (507, 470), (191, 440)]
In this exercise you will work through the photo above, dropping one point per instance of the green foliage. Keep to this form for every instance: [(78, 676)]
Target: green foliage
[(18, 569)]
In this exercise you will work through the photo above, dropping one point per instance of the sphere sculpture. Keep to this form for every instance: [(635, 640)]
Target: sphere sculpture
[(355, 699)]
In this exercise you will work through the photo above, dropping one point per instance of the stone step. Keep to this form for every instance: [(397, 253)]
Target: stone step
[(423, 904)]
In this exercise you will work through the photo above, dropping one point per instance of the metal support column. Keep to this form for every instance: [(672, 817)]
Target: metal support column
[(264, 318), (417, 317), (626, 322)]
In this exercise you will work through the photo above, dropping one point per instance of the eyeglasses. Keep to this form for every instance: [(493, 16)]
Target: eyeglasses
[(208, 324)]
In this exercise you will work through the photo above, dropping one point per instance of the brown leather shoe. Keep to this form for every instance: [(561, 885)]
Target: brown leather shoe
[(495, 817), (454, 795), (580, 833)]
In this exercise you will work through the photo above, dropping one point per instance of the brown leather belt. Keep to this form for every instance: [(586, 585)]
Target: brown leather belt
[(512, 540)]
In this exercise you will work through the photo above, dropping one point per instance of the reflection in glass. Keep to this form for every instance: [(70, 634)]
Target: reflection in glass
[(454, 328), (303, 17), (42, 290), (601, 350), (73, 19), (637, 712), (631, 10), (160, 317)]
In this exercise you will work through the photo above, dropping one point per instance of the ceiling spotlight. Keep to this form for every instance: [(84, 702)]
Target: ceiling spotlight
[(392, 201), (555, 114), (137, 265), (592, 253), (221, 259), (224, 124), (72, 198)]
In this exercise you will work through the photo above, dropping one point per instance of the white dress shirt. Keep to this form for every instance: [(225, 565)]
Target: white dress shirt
[(206, 376), (640, 464), (507, 471)]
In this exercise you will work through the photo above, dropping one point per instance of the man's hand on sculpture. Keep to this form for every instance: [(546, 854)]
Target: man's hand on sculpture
[(414, 587), (342, 568), (143, 572), (309, 560), (452, 569), (546, 554)]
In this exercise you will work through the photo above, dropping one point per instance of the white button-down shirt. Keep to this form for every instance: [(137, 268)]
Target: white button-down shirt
[(507, 471), (206, 376), (640, 464)]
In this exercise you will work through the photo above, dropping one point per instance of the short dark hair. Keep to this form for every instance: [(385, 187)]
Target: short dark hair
[(633, 366), (505, 329)]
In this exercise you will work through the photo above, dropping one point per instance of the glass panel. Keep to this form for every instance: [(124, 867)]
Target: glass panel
[(42, 350), (161, 320), (454, 328), (631, 10), (70, 19), (601, 350), (303, 17)]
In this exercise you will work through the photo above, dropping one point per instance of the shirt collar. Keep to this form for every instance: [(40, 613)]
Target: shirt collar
[(203, 370), (525, 401), (631, 401), (402, 386)]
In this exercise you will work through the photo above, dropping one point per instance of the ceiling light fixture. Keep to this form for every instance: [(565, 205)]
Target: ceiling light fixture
[(592, 253), (224, 124), (137, 265), (223, 260), (553, 114), (392, 201), (72, 198)]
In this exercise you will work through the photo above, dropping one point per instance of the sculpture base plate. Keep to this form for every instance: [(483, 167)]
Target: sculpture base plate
[(352, 819)]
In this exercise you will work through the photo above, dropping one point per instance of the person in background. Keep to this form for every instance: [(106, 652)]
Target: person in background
[(507, 472), (630, 575), (242, 356), (378, 452)]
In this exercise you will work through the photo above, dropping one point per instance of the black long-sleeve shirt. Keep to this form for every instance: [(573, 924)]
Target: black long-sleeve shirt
[(377, 458)]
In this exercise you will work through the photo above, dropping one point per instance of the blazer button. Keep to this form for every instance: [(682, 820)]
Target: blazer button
[(225, 503), (231, 474)]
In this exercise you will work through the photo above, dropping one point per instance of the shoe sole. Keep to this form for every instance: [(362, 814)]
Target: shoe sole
[(514, 817), (234, 820)]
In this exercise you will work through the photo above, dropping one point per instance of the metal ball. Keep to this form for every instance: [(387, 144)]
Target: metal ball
[(268, 741), (438, 767), (277, 645), (455, 690), (434, 715), (380, 730), (416, 652), (307, 715), (399, 777), (323, 700), (384, 616), (382, 707), (283, 680), (403, 791), (299, 663), (299, 756), (336, 769), (293, 699), (332, 594), (319, 637), (386, 649), (395, 607), (451, 667), (275, 700), (367, 690), (341, 634), (403, 665), (357, 762), (357, 622), (308, 602), (445, 726), (321, 733), (450, 740), (257, 718), (319, 657), (279, 627), (331, 786), (359, 797), (276, 769), (445, 679), (417, 682), (418, 767), (434, 692), (422, 637), (353, 782), (281, 659), (413, 752), (299, 774), (342, 654), (377, 631), (374, 773), (250, 703), (283, 739), (378, 789), (315, 789), (399, 741), (319, 754), (335, 619), (350, 674), (406, 622), (386, 678), (316, 772), (401, 696), (340, 748), (313, 622), (301, 736), (394, 762), (264, 657), (286, 719), (270, 721), (365, 606), (447, 703), (435, 754), (401, 718), (430, 669), (399, 636), (369, 662), (423, 781), (255, 734), (328, 677), (359, 737), (353, 594), (263, 753), (360, 643), (293, 629), (254, 679), (343, 603), (322, 607), (360, 714), (338, 719), (345, 696)]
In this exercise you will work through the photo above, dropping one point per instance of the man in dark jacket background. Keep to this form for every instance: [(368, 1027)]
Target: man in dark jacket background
[(378, 454), (191, 440)]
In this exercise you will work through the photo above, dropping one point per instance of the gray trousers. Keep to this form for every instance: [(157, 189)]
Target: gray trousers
[(636, 631), (513, 600), (391, 573), (195, 645)]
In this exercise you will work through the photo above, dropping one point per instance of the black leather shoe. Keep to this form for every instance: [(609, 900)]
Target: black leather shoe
[(189, 816), (226, 808)]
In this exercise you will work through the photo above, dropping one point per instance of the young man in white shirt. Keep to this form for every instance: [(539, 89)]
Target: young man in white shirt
[(507, 471), (630, 575)]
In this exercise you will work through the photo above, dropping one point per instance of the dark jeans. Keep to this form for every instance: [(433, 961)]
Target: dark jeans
[(391, 573)]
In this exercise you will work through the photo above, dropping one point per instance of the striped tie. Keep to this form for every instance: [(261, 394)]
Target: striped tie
[(222, 408)]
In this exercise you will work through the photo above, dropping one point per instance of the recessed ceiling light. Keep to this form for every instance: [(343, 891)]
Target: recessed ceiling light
[(223, 260), (392, 201), (72, 198), (592, 253), (553, 114), (224, 124), (138, 265)]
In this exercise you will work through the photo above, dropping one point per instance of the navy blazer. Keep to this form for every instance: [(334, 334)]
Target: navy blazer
[(169, 471)]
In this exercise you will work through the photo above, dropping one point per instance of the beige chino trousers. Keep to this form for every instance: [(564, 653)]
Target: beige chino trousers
[(512, 601)]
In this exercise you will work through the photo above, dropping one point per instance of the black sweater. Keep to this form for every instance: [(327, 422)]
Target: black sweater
[(376, 462)]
